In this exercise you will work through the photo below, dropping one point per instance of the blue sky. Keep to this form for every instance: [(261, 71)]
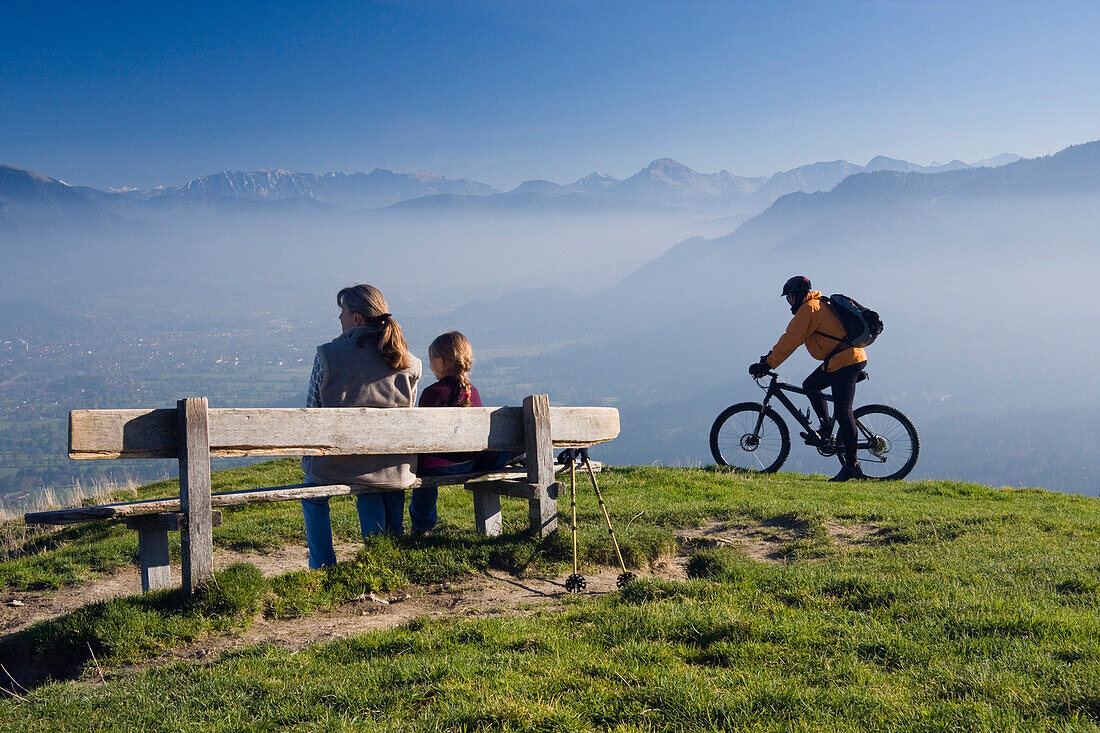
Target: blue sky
[(113, 94)]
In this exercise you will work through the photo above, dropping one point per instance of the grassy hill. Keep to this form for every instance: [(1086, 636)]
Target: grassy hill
[(802, 605)]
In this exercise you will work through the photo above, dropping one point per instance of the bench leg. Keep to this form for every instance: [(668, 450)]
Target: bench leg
[(196, 540), (153, 552), (542, 509), (487, 519)]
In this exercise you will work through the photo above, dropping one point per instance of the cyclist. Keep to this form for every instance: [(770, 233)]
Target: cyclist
[(820, 330)]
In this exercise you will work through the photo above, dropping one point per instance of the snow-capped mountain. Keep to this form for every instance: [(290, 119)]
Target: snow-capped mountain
[(30, 196), (809, 178), (594, 182), (665, 178), (380, 187)]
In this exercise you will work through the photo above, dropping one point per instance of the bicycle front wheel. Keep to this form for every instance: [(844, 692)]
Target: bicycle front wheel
[(888, 442), (750, 437)]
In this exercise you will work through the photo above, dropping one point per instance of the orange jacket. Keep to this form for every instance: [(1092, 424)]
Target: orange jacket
[(813, 319)]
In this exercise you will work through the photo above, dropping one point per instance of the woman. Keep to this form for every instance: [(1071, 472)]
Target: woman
[(367, 365)]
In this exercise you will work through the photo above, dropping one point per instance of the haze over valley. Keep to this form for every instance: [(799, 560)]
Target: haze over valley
[(651, 294)]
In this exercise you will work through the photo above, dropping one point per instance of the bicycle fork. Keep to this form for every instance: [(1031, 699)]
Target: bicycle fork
[(760, 418)]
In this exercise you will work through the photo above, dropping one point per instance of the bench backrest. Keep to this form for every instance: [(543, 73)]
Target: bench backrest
[(331, 430)]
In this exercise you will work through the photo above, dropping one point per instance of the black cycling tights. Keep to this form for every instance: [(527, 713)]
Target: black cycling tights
[(843, 382)]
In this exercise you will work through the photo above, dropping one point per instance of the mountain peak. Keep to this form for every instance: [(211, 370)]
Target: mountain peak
[(594, 183), (540, 186), (998, 160), (13, 172), (667, 165), (671, 172), (597, 176), (883, 163)]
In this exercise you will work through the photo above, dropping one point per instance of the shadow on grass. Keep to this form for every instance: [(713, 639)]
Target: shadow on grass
[(130, 629), (136, 628)]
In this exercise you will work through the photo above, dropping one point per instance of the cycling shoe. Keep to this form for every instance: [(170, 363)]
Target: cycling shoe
[(823, 435), (847, 473)]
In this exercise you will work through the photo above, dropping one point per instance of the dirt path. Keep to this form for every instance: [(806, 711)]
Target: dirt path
[(19, 609), (485, 595), (488, 594), (491, 593)]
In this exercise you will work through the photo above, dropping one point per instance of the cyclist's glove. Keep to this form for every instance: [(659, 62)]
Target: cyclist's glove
[(758, 369)]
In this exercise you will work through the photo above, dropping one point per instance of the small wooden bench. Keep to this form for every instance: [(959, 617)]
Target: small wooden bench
[(193, 432)]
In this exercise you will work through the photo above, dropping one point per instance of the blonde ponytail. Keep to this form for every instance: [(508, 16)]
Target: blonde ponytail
[(454, 350)]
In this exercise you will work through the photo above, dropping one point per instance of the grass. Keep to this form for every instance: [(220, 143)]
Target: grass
[(74, 555), (36, 558), (962, 607)]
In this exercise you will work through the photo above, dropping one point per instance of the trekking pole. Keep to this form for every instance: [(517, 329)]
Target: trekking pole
[(626, 576), (575, 583)]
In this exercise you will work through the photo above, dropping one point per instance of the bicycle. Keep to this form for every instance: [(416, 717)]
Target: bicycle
[(752, 436)]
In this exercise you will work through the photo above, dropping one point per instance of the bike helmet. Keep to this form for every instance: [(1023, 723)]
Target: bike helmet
[(797, 286)]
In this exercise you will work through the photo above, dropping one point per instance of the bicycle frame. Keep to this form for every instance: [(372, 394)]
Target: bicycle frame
[(776, 388)]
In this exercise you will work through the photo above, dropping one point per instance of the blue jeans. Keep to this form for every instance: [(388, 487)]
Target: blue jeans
[(380, 512), (422, 506), (493, 460)]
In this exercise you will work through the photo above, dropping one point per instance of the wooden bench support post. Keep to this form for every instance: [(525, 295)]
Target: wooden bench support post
[(152, 551), (542, 511), (196, 539), (153, 529), (487, 519)]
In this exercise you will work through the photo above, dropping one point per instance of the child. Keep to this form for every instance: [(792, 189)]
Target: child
[(451, 357)]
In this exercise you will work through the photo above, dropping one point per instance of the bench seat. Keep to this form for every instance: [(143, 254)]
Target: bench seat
[(474, 481)]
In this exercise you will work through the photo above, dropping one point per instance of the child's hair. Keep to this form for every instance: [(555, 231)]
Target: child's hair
[(454, 350), (368, 301)]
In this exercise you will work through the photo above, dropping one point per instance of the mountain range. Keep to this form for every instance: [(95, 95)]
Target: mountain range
[(664, 183)]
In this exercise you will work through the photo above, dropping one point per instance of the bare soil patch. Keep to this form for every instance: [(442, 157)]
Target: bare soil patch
[(489, 594), (762, 541), (766, 541), (852, 534)]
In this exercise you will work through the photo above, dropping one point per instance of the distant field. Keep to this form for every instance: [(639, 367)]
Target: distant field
[(34, 412), (799, 605)]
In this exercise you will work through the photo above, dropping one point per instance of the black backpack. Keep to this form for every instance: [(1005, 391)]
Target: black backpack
[(861, 325)]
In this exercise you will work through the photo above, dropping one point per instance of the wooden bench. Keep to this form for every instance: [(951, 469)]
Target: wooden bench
[(192, 433)]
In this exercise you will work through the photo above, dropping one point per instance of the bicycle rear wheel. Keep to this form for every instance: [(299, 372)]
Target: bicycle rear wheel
[(736, 442), (888, 440)]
